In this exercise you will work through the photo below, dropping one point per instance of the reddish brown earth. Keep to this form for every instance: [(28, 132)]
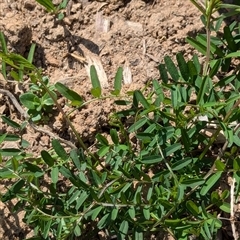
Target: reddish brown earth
[(139, 35)]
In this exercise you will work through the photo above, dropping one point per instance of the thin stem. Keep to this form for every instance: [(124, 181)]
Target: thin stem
[(211, 7), (206, 65), (209, 10)]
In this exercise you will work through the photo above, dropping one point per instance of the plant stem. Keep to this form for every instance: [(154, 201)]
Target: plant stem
[(209, 10), (206, 65)]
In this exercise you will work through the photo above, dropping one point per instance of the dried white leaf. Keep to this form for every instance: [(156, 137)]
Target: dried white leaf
[(127, 74), (93, 59), (102, 24), (99, 68)]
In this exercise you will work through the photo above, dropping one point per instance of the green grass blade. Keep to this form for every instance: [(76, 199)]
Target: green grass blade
[(47, 4), (4, 50), (3, 43), (47, 227), (16, 60), (31, 53)]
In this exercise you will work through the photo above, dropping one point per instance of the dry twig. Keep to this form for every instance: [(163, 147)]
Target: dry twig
[(232, 201), (27, 118)]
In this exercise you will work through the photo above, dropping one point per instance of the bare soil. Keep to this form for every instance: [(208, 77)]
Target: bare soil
[(137, 37)]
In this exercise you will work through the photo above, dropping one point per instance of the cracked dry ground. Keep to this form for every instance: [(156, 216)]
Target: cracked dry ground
[(138, 35)]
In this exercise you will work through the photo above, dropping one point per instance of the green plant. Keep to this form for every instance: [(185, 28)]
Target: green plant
[(49, 6), (38, 101), (158, 171)]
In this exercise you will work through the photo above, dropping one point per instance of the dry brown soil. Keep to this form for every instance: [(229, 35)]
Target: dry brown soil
[(138, 35)]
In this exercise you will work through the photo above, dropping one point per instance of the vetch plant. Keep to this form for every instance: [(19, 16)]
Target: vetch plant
[(38, 101)]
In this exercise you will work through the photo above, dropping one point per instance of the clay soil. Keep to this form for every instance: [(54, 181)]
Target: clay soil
[(137, 37)]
